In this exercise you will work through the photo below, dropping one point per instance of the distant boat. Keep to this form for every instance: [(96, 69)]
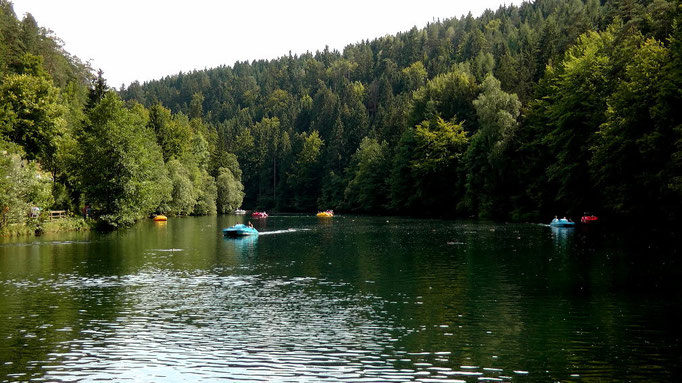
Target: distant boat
[(561, 222), (239, 230), (326, 213), (160, 218), (240, 212), (259, 214), (589, 218)]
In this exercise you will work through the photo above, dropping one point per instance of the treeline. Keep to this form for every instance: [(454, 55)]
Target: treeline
[(550, 107), (68, 142)]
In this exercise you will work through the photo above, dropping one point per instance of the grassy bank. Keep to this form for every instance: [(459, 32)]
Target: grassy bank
[(44, 227)]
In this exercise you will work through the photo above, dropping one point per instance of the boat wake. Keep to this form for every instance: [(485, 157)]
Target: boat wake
[(281, 231)]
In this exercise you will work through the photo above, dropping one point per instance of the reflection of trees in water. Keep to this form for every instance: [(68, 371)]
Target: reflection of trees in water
[(58, 285), (510, 297)]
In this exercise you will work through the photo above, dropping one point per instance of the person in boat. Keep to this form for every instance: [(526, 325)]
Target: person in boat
[(250, 224)]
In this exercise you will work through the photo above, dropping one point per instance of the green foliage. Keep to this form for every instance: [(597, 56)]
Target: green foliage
[(425, 167), (98, 89), (112, 157), (62, 198), (668, 114), (632, 143), (497, 113), (486, 158), (402, 178), (438, 145), (66, 224), (573, 108), (207, 194), (331, 196), (585, 116), (183, 195), (173, 133), (121, 168), (22, 186), (269, 146), (196, 106), (31, 114), (305, 179), (383, 88), (414, 76), (369, 173), (19, 37), (229, 161), (230, 191), (449, 95)]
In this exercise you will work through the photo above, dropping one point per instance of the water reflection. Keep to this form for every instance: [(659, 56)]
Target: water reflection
[(327, 221), (364, 299), (243, 245), (562, 235)]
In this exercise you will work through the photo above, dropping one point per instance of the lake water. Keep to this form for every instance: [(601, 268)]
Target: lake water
[(357, 299)]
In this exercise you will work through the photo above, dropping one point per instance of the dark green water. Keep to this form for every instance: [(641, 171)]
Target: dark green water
[(345, 299)]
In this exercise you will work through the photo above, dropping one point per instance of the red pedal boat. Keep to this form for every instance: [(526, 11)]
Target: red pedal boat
[(589, 218), (259, 214)]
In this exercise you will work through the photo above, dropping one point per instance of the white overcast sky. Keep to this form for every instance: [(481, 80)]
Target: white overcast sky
[(149, 39)]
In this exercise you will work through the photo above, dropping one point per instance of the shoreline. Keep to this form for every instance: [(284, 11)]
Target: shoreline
[(36, 229)]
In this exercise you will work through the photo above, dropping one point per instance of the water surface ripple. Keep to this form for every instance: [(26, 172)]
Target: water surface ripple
[(354, 299)]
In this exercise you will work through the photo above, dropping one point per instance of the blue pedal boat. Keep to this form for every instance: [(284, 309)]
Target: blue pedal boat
[(239, 230), (561, 222)]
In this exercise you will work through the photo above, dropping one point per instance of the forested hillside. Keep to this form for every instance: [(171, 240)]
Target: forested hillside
[(550, 107), (68, 142)]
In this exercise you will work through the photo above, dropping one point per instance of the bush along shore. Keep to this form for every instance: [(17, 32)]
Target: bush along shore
[(39, 226)]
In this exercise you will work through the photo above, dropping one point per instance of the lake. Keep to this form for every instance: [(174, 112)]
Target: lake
[(357, 299)]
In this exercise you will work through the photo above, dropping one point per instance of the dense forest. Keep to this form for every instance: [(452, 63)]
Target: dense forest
[(69, 142), (550, 107)]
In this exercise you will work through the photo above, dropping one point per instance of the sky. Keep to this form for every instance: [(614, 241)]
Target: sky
[(149, 39)]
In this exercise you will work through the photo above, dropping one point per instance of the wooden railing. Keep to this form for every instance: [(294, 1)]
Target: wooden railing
[(57, 214)]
